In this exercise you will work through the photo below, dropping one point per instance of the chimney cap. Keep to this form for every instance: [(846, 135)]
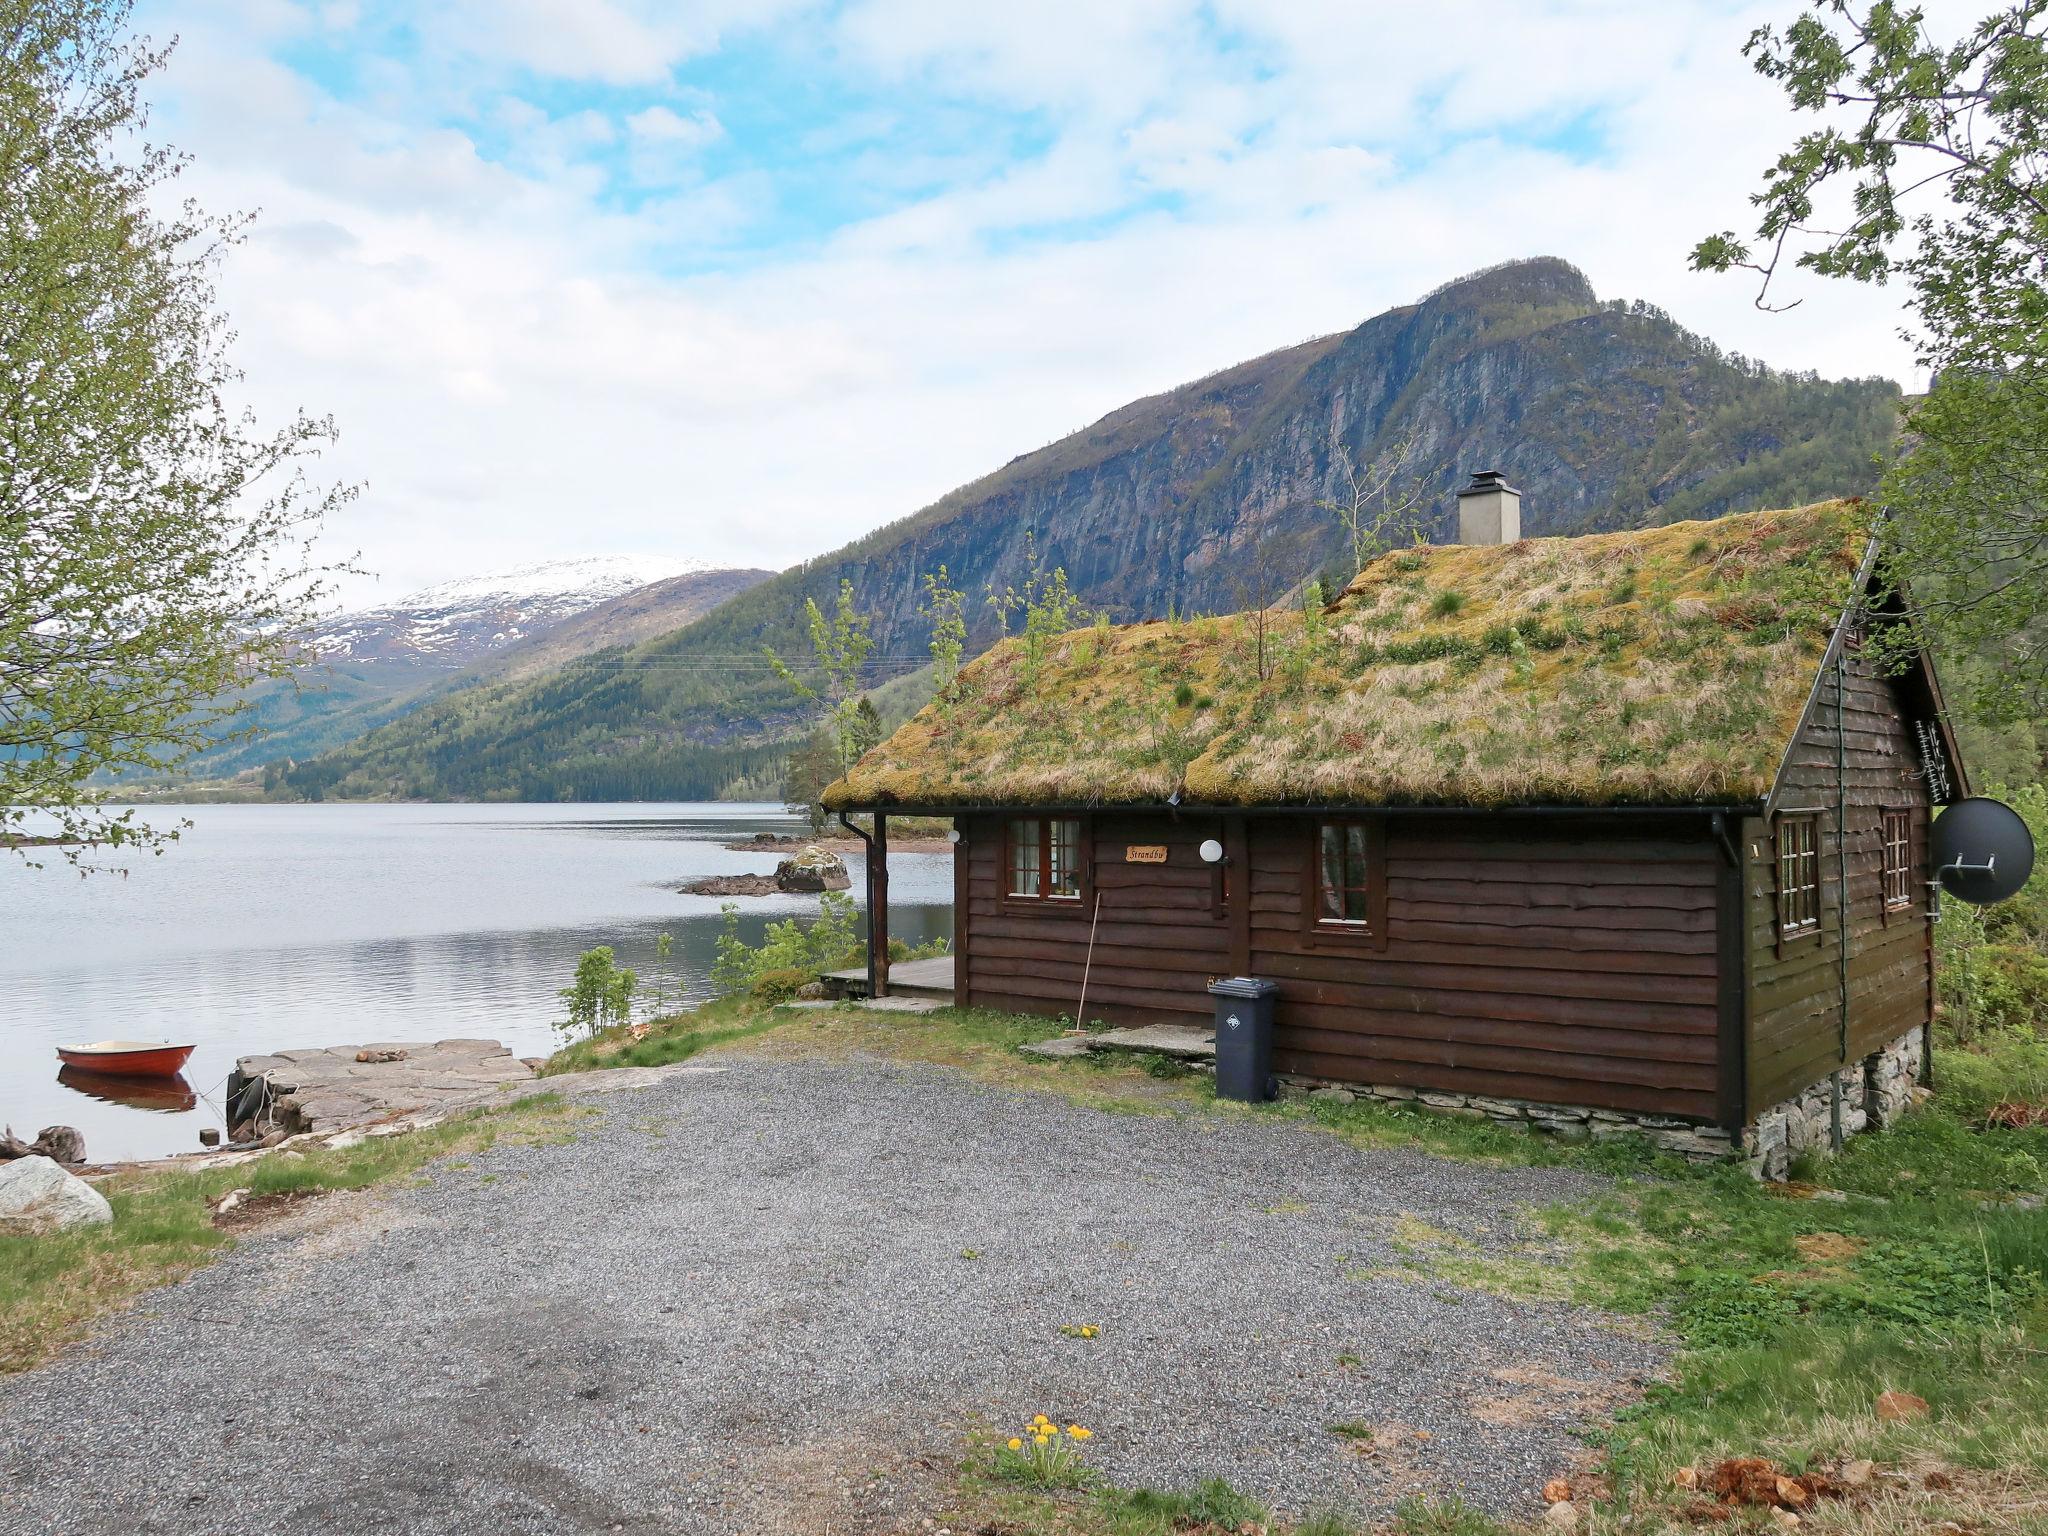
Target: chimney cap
[(1487, 480)]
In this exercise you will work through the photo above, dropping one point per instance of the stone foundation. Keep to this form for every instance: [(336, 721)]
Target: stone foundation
[(1875, 1092), (1699, 1143)]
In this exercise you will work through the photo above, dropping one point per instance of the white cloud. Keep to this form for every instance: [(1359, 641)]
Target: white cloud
[(660, 125), (526, 364)]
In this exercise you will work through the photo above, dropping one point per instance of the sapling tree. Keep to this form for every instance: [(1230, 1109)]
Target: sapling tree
[(943, 605), (156, 540), (807, 773), (1048, 604), (840, 646), (601, 995), (1379, 505), (1928, 164)]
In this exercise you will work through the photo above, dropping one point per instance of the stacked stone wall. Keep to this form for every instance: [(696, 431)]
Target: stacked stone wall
[(1873, 1092)]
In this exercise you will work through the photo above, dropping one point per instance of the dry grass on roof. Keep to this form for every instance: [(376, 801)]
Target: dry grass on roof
[(1107, 715), (1666, 665)]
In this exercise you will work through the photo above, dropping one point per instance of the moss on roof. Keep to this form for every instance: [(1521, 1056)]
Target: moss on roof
[(1658, 666)]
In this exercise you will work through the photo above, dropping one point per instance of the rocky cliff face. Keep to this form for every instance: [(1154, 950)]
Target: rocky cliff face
[(1604, 415), (1204, 499)]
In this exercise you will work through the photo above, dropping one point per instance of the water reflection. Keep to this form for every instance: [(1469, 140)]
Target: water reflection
[(162, 1095)]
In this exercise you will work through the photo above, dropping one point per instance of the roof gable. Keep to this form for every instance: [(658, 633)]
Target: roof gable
[(1657, 666)]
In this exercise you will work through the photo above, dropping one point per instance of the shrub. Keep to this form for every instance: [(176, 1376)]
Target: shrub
[(601, 995), (779, 986), (829, 942)]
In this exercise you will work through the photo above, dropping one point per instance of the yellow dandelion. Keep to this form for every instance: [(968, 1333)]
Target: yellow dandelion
[(1041, 1439), (1016, 1444), (1078, 1432), (1039, 1418)]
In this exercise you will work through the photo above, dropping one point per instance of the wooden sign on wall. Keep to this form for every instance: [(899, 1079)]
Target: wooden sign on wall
[(1145, 853)]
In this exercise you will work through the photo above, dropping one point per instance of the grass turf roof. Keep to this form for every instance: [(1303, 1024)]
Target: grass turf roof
[(1661, 666)]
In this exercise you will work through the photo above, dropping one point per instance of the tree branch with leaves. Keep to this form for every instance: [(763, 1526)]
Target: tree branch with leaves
[(155, 543), (1934, 154)]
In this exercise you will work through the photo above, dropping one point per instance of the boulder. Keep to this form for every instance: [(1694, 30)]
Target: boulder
[(38, 1196), (812, 869)]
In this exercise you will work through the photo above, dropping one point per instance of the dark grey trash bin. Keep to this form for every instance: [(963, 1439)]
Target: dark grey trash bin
[(1244, 1038)]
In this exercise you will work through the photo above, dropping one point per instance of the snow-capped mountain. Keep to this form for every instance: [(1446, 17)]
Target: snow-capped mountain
[(458, 622)]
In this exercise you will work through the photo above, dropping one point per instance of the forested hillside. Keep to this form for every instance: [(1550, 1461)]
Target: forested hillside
[(1206, 499)]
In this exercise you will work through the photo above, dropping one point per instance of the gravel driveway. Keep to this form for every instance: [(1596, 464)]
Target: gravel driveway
[(739, 1302)]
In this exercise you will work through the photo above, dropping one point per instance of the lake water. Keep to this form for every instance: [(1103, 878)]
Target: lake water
[(271, 926)]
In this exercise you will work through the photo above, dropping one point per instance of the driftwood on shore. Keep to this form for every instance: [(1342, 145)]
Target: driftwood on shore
[(59, 1143)]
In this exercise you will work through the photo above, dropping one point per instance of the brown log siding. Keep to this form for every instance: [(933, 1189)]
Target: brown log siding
[(1564, 962), (1793, 993)]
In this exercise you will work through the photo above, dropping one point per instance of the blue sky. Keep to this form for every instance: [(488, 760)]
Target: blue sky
[(743, 280)]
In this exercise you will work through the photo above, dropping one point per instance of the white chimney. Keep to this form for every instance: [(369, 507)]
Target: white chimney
[(1489, 510)]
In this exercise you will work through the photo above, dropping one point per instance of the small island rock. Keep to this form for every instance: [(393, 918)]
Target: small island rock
[(38, 1196), (814, 869)]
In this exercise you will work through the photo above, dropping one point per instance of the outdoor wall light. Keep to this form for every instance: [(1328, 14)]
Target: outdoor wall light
[(1212, 851), (953, 836)]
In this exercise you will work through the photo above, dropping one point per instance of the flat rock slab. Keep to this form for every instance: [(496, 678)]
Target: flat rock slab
[(329, 1089), (901, 1004), (1059, 1047), (1182, 1040)]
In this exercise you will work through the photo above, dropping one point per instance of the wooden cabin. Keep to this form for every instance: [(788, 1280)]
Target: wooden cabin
[(1621, 831)]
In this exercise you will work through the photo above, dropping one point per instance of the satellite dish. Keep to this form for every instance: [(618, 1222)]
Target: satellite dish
[(1983, 852)]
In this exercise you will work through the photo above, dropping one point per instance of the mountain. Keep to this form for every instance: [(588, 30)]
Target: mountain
[(368, 668), (632, 616), (1200, 500), (462, 621)]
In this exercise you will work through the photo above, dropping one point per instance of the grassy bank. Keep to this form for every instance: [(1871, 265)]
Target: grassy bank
[(1908, 1264), (52, 1287)]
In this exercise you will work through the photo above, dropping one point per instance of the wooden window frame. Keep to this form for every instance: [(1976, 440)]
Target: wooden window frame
[(1332, 932), (1083, 864), (1895, 881), (1794, 926)]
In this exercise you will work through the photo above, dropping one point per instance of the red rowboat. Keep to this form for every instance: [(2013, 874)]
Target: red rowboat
[(127, 1058)]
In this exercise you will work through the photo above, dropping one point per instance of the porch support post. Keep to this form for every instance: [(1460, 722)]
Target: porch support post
[(878, 909)]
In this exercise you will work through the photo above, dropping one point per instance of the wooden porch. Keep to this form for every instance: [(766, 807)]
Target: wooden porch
[(931, 979)]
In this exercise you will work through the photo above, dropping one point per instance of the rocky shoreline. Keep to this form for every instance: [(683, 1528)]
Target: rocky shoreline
[(808, 869)]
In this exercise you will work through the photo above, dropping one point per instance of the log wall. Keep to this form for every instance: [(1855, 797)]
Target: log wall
[(1796, 1028), (1561, 960)]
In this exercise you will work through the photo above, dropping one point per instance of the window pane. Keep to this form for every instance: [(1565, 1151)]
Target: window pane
[(1066, 860), (1354, 854), (1330, 874), (1024, 870), (1898, 859), (1343, 873), (1798, 873)]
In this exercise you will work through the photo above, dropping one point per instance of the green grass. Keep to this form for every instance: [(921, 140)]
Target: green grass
[(53, 1286), (671, 1040), (1212, 1508)]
